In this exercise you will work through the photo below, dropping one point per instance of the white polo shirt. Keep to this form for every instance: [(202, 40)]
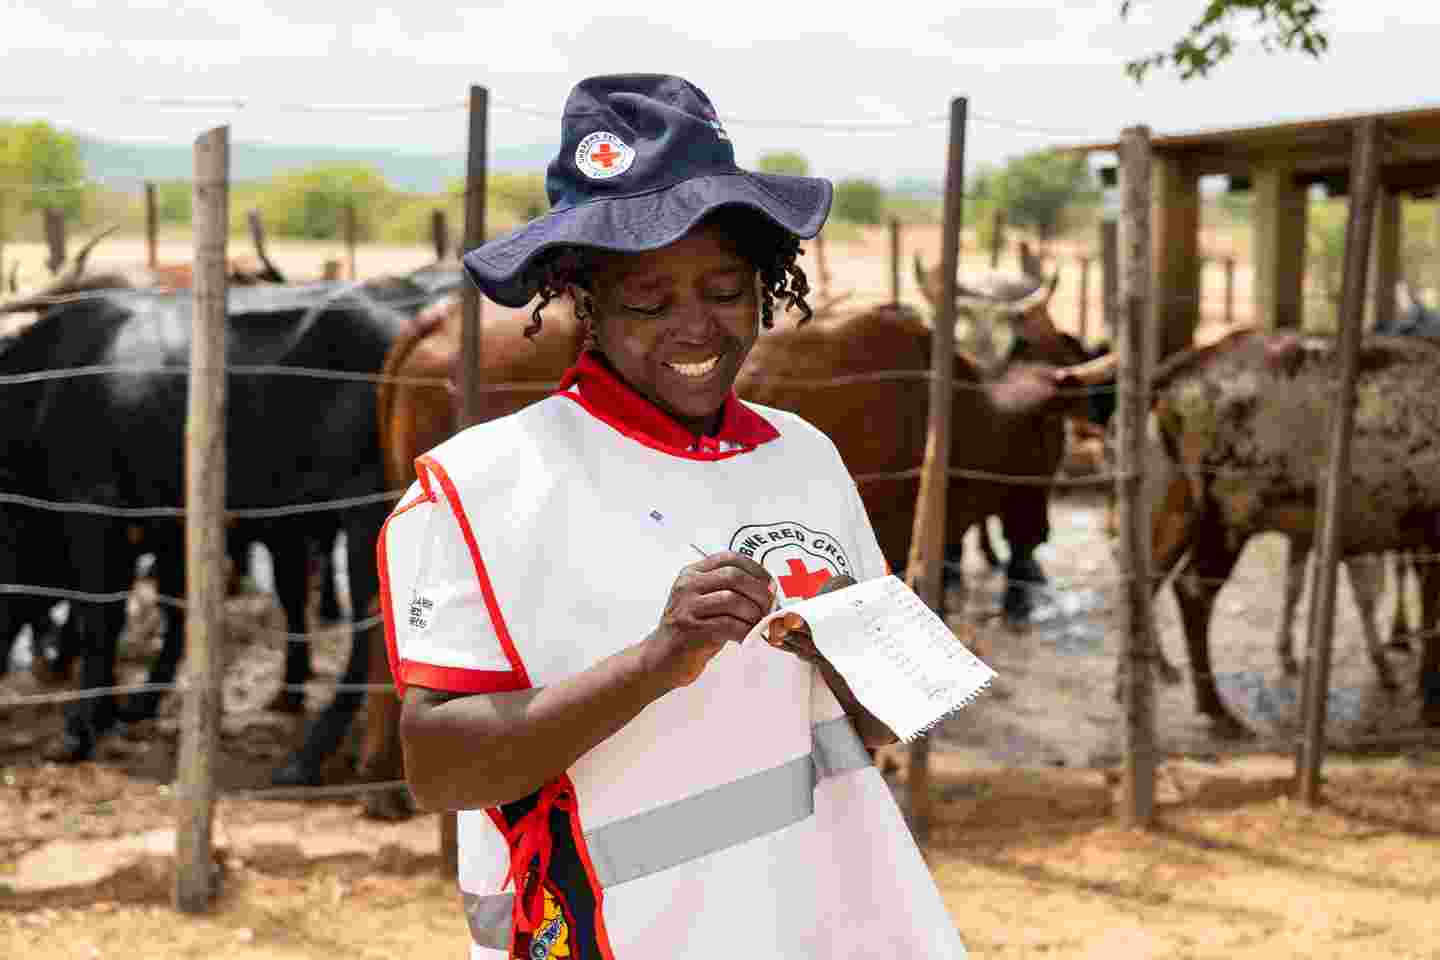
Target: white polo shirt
[(737, 816)]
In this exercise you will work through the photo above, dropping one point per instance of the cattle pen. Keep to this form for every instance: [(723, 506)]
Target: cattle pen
[(1053, 706)]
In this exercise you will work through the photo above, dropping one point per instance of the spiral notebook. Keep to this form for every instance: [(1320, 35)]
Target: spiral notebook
[(901, 661)]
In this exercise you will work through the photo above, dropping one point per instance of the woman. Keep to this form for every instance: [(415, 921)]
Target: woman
[(573, 676)]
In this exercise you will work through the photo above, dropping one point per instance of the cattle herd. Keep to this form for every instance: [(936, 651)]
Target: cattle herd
[(1237, 430)]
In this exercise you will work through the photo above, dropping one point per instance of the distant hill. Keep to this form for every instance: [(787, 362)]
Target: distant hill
[(421, 172)]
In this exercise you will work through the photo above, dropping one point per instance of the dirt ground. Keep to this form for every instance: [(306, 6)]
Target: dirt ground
[(1026, 846)]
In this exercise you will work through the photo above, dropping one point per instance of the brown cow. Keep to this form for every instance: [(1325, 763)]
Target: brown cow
[(1243, 422)]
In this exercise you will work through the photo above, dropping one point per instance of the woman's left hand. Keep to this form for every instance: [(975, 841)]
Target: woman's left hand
[(790, 632)]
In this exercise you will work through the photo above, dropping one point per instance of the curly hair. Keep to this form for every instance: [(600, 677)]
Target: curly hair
[(771, 249)]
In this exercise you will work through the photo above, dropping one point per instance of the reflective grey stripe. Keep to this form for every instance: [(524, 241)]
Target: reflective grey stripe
[(721, 817), (836, 748), (489, 919)]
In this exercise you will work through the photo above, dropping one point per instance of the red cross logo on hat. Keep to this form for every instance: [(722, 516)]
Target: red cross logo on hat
[(604, 155)]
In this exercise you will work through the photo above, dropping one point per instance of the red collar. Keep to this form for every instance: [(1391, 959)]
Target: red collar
[(612, 400)]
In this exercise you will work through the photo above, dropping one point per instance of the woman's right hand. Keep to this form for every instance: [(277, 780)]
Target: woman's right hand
[(712, 602)]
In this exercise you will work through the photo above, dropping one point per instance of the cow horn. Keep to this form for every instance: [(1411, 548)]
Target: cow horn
[(932, 296), (78, 267), (1091, 373)]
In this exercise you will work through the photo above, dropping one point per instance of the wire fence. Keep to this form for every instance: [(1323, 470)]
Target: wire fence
[(1052, 596)]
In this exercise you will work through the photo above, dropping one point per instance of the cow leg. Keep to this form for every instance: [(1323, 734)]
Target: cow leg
[(329, 729), (987, 546), (325, 568), (1367, 579), (96, 554), (1210, 564), (1023, 579), (380, 756), (1297, 555), (1172, 525), (290, 555), (1427, 571), (1400, 624), (170, 580)]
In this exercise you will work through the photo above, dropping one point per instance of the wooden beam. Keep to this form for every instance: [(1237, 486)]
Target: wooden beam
[(1175, 255), (196, 879), (1384, 271), (1334, 483), (1278, 219)]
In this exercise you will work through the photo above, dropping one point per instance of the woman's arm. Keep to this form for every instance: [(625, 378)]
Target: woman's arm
[(464, 752)]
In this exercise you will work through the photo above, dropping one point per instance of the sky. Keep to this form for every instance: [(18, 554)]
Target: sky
[(1036, 72)]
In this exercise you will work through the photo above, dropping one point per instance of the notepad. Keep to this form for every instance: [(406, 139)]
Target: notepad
[(901, 661)]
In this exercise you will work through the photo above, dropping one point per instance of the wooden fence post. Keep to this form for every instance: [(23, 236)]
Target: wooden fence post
[(1365, 185), (895, 261), (1229, 290), (927, 540), (997, 238), (1110, 279), (469, 413), (152, 227), (824, 278), (348, 219), (1136, 364), (204, 529), (55, 239), (439, 234), (474, 237), (1084, 298)]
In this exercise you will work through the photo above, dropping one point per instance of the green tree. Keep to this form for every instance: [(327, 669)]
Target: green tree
[(1035, 189), (173, 201), (1210, 40), (858, 201), (42, 165), (309, 203), (790, 162)]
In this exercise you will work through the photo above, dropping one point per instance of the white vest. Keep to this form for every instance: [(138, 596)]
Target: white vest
[(738, 816)]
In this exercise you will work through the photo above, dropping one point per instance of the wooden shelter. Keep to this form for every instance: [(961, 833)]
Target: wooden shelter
[(1279, 162)]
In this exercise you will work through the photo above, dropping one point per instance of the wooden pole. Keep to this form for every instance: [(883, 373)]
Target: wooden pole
[(1110, 278), (1084, 298), (895, 261), (152, 227), (440, 234), (1136, 363), (997, 238), (474, 236), (204, 529), (1365, 166), (820, 263), (55, 239), (349, 225), (927, 540), (1229, 290), (469, 413)]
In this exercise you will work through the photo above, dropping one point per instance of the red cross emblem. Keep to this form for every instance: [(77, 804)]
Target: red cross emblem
[(802, 583), (604, 156)]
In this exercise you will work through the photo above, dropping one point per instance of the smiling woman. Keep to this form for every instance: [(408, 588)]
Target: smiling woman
[(650, 789)]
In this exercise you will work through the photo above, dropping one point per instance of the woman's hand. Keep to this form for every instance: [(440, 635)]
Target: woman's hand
[(790, 632), (712, 602)]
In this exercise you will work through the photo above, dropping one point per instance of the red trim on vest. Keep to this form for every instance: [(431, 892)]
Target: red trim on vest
[(456, 679), (387, 614), (426, 467), (611, 400)]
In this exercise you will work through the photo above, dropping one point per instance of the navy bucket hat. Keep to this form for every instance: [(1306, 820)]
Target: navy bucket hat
[(643, 158)]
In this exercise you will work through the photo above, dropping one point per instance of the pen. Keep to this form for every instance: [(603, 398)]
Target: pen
[(659, 519)]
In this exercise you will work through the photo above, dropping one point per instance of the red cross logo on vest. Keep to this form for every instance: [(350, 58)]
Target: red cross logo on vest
[(802, 583), (604, 155)]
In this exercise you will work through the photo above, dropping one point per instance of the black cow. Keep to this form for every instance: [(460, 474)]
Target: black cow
[(118, 439)]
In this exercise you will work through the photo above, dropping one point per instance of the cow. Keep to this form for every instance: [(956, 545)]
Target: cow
[(289, 440), (1022, 304), (865, 342), (1243, 423), (1366, 573)]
